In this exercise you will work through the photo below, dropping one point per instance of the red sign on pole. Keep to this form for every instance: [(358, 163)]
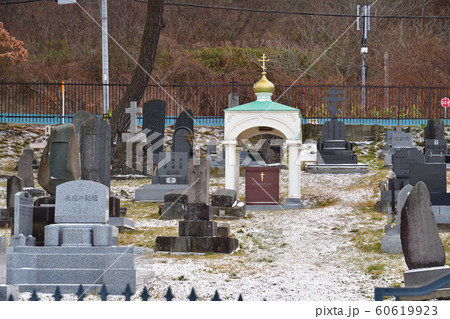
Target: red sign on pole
[(445, 102)]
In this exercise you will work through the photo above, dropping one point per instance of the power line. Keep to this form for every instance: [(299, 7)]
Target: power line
[(339, 15), (18, 2)]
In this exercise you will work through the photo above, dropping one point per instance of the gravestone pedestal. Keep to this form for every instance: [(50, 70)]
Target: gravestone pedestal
[(197, 232), (424, 276), (5, 290), (80, 248)]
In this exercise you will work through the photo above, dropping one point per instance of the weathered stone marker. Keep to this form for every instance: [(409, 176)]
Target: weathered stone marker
[(95, 150), (60, 160), (25, 168), (421, 243)]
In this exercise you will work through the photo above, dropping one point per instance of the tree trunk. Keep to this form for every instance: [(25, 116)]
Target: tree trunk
[(120, 120)]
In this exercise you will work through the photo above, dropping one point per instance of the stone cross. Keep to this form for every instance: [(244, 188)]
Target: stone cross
[(332, 101), (133, 110)]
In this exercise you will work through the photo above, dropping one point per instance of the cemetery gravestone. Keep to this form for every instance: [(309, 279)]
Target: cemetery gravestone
[(435, 151), (133, 110), (80, 248), (95, 150), (181, 140), (173, 168), (435, 130), (60, 160), (81, 202), (391, 242), (25, 168), (14, 184), (402, 160), (78, 119), (262, 185), (433, 175), (185, 119), (421, 243), (23, 220), (334, 149), (198, 191), (197, 232), (153, 123)]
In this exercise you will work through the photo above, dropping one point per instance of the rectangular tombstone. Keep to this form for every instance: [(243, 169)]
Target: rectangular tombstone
[(198, 191), (402, 160), (23, 214), (262, 185), (433, 175), (14, 184), (401, 139), (81, 202), (334, 130), (173, 168), (25, 168), (95, 150), (153, 123)]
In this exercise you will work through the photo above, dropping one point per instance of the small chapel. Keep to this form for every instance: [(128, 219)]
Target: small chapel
[(263, 116)]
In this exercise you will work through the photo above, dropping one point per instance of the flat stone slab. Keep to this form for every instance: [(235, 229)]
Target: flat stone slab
[(424, 276), (196, 244), (122, 223), (156, 192), (337, 168), (250, 208)]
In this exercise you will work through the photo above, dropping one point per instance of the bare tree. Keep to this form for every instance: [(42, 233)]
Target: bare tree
[(135, 90)]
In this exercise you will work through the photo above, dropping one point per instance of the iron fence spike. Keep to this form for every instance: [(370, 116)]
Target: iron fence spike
[(57, 295), (169, 296), (34, 296), (193, 295), (127, 293), (80, 293), (145, 295), (216, 297), (104, 293)]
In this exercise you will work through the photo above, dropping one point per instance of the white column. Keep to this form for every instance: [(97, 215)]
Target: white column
[(237, 168), (294, 168), (230, 163)]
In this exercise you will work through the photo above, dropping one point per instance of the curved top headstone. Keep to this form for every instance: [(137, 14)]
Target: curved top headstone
[(434, 130), (419, 234)]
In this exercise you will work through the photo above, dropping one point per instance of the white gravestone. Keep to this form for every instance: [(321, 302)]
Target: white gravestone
[(81, 202), (23, 220)]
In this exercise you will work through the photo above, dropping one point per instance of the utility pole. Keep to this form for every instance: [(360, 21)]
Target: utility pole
[(386, 79), (105, 68), (365, 27)]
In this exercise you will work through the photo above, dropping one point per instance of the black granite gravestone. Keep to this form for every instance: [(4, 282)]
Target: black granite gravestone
[(173, 168), (402, 160), (434, 130), (435, 151), (154, 117), (182, 139), (433, 175), (185, 119), (334, 149)]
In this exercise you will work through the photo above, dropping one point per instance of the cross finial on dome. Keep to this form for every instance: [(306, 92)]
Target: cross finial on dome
[(264, 59)]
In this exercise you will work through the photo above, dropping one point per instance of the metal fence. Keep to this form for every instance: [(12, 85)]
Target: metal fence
[(144, 296), (31, 102)]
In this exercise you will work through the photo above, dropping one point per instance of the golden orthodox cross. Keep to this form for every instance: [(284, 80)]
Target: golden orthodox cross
[(264, 59), (262, 176)]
